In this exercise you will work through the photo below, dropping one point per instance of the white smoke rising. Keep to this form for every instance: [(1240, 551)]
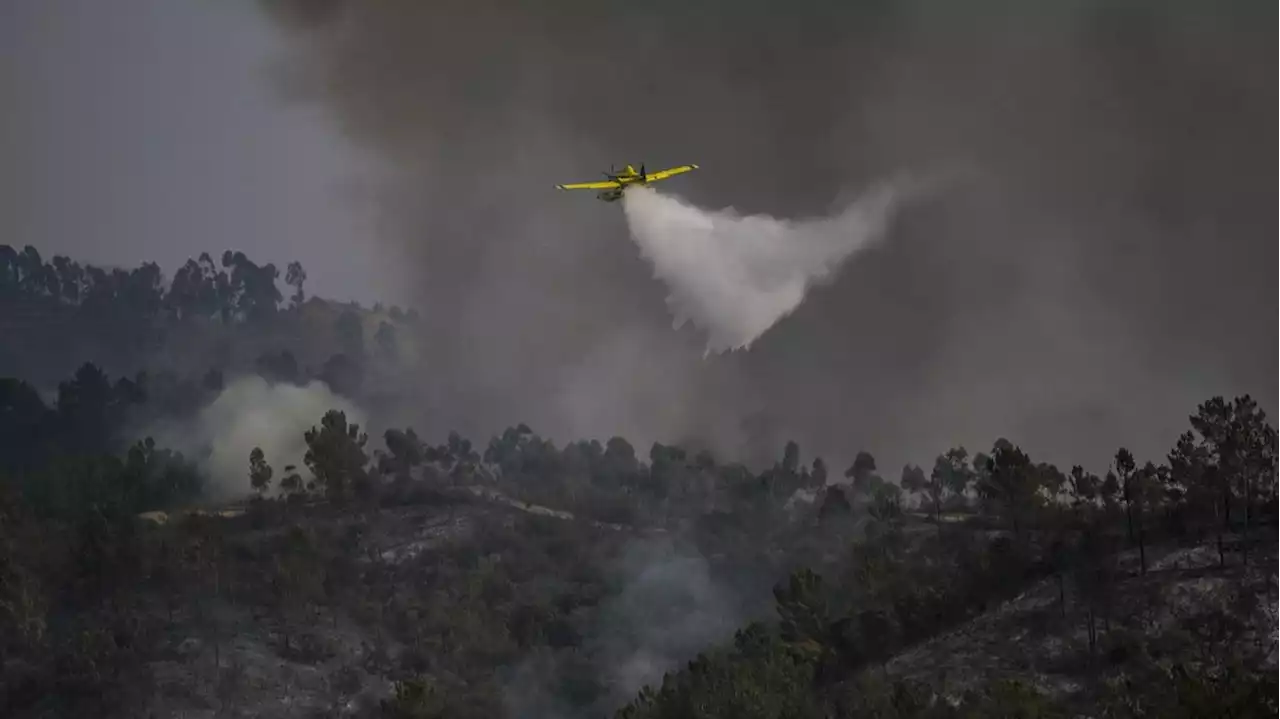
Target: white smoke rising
[(736, 276), (252, 412), (670, 607)]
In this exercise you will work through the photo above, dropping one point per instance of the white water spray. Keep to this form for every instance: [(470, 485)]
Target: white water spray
[(736, 276)]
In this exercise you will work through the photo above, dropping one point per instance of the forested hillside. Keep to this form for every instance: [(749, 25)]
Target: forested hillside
[(511, 576)]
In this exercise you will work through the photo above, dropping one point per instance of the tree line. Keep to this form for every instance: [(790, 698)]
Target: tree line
[(125, 319), (235, 289)]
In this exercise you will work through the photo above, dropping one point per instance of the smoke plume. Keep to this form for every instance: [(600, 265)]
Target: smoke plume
[(1111, 270), (251, 412), (670, 607), (736, 276)]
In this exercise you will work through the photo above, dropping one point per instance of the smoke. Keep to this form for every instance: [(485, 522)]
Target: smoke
[(1111, 270), (736, 276), (669, 609), (251, 412)]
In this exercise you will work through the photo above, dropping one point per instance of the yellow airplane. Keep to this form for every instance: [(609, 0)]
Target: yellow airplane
[(620, 179)]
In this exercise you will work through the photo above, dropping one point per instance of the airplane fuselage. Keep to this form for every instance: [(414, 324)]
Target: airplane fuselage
[(624, 177), (617, 181)]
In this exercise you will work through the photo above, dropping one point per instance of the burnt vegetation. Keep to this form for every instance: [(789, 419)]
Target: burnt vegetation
[(404, 576)]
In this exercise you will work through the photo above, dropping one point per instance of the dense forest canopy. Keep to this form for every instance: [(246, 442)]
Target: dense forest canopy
[(402, 575), (59, 313)]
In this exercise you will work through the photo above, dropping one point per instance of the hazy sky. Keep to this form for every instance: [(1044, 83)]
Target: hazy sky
[(139, 130)]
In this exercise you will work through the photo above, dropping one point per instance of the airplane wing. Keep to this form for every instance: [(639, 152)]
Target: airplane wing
[(590, 186), (664, 174)]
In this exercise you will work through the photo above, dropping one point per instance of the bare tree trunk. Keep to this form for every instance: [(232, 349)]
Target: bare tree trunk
[(1248, 516), (1142, 544)]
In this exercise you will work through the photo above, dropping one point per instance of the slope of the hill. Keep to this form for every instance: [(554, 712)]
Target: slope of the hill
[(287, 645), (1186, 605)]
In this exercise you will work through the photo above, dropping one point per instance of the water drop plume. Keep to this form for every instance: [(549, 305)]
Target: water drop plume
[(734, 276)]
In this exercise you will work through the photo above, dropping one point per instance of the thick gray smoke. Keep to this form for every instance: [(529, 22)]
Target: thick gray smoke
[(670, 608), (252, 412), (1113, 268), (736, 276)]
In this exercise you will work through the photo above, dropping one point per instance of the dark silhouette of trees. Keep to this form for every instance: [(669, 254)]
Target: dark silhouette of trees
[(791, 457), (1010, 481), (913, 481), (862, 472), (259, 471), (349, 330), (835, 503), (405, 453), (818, 475), (282, 367), (385, 338), (253, 295), (122, 318), (68, 458), (1123, 477), (296, 277), (26, 426), (198, 289), (336, 457), (343, 374), (1082, 487), (952, 473), (1228, 457)]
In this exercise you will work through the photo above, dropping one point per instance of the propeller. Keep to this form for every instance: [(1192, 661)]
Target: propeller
[(643, 177)]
